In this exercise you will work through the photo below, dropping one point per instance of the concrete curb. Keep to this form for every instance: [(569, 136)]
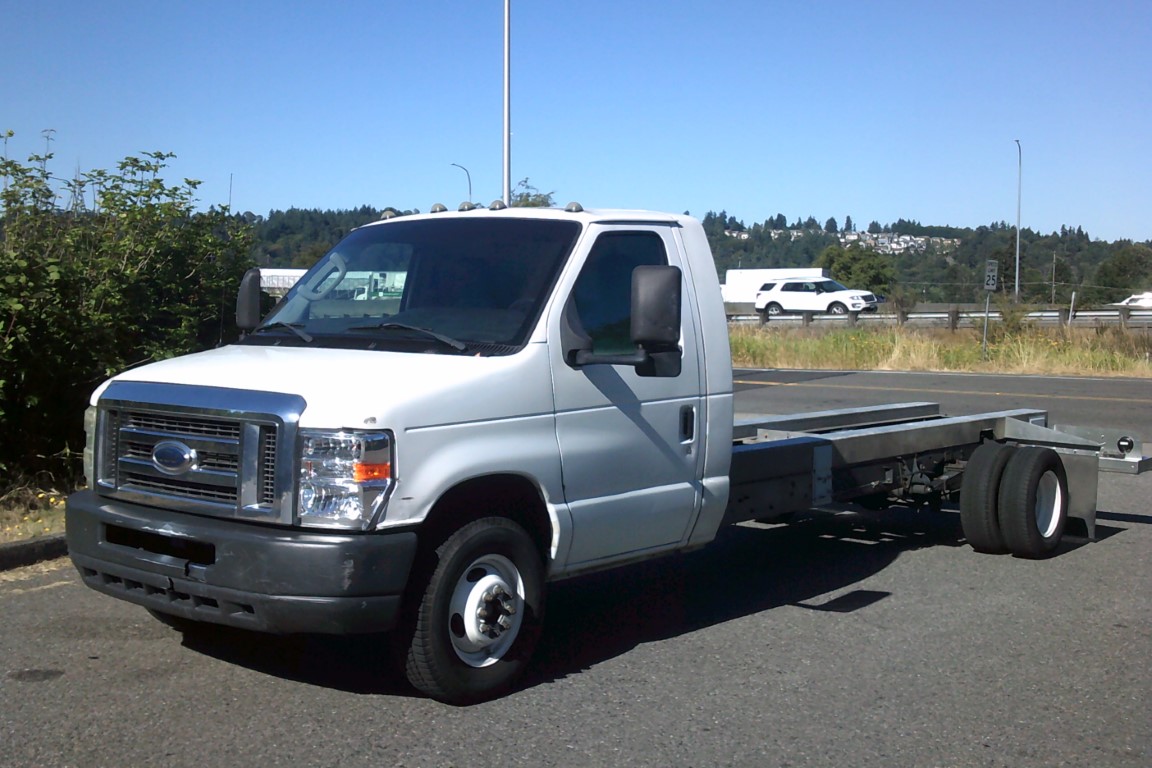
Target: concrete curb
[(18, 554)]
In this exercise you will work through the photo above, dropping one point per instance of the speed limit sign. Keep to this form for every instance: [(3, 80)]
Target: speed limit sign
[(991, 274)]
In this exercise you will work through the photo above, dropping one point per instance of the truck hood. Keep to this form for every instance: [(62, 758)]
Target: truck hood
[(351, 388)]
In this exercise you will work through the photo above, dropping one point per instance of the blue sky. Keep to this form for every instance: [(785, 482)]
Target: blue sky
[(877, 110)]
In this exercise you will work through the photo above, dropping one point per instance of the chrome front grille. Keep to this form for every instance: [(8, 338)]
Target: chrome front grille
[(267, 465), (239, 462), (168, 423)]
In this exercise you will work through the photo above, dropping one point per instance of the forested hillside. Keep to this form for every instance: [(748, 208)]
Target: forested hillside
[(921, 263)]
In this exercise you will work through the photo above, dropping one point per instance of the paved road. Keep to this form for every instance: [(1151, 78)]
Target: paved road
[(1101, 402), (835, 641)]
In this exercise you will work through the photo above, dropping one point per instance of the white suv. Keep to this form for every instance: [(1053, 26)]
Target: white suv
[(807, 294), (1139, 301)]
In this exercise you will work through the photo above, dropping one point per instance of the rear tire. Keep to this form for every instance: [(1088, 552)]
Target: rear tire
[(774, 309), (980, 497), (476, 625), (1033, 502)]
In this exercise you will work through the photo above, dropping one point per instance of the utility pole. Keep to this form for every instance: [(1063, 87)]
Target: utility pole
[(1019, 187), (47, 134)]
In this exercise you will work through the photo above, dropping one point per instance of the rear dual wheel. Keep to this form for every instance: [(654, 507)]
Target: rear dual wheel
[(1033, 502), (1014, 500), (980, 497)]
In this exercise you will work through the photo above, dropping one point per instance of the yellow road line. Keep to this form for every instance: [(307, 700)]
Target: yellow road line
[(819, 383)]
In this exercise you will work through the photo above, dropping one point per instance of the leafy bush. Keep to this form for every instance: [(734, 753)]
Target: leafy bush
[(88, 291)]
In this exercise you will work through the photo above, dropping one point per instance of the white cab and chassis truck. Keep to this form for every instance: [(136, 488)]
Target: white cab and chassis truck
[(549, 395)]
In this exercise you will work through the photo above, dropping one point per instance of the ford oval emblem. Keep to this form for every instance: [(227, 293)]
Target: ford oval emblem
[(173, 457)]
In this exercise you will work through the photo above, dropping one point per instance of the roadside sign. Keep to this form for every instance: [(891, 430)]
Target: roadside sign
[(991, 274)]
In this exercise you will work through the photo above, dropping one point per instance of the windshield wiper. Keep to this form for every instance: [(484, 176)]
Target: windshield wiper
[(294, 327), (459, 346)]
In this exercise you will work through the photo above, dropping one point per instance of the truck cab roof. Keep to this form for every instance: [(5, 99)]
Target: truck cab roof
[(571, 212)]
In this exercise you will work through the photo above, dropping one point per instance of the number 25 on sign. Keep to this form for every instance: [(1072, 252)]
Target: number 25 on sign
[(991, 274)]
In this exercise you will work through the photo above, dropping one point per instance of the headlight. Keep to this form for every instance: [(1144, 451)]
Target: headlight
[(344, 478), (90, 446)]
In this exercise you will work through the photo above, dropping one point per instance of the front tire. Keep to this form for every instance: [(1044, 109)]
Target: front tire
[(479, 616), (836, 308), (1033, 502)]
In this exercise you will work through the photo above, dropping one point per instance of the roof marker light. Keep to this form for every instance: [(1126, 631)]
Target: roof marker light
[(438, 208), (574, 207)]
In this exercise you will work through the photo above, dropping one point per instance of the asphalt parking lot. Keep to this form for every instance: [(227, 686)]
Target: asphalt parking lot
[(870, 639)]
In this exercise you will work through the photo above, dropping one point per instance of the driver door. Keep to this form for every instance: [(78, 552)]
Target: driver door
[(630, 446)]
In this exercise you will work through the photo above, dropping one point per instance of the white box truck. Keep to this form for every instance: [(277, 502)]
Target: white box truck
[(549, 394)]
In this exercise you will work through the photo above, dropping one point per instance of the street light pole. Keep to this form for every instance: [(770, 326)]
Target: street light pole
[(469, 179), (1019, 187), (507, 102)]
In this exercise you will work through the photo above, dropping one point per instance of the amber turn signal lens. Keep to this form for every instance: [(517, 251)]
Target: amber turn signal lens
[(364, 472)]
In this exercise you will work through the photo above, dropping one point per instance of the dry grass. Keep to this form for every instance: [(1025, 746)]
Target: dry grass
[(26, 513), (1076, 352)]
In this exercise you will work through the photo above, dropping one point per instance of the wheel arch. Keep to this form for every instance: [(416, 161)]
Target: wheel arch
[(507, 495)]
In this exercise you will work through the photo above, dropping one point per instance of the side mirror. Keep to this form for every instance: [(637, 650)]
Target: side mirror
[(654, 328), (248, 301), (656, 307)]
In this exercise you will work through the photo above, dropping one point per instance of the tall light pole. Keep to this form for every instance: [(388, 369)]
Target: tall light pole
[(1019, 187), (507, 102), (469, 179)]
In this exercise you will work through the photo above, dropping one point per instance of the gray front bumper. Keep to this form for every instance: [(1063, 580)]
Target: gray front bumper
[(245, 575)]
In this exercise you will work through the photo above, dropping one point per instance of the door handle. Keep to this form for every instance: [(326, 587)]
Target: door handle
[(687, 424)]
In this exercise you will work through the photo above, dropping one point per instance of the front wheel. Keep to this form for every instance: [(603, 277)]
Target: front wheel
[(480, 614), (836, 308)]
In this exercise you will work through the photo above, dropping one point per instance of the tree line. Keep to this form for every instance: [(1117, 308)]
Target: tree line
[(1052, 266)]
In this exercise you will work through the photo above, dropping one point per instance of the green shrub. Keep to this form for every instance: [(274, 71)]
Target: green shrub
[(88, 291)]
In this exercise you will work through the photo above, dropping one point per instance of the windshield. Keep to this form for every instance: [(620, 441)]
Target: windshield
[(447, 285)]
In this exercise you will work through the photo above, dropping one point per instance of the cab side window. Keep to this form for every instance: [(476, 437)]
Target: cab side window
[(603, 292)]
